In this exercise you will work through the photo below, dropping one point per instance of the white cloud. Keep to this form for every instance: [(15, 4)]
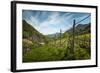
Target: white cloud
[(52, 24)]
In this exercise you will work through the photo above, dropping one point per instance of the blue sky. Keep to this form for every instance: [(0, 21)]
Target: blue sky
[(50, 22)]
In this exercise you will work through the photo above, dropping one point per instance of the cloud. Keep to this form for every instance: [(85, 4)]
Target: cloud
[(47, 22), (54, 23)]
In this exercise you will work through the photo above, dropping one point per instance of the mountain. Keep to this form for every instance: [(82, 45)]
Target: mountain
[(53, 35), (80, 29), (30, 33)]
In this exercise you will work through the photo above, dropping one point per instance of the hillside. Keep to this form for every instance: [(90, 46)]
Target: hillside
[(80, 29), (32, 34)]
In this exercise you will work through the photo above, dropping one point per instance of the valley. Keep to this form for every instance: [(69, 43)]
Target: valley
[(56, 47)]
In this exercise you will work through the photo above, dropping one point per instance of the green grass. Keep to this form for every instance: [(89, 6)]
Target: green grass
[(44, 53), (56, 52)]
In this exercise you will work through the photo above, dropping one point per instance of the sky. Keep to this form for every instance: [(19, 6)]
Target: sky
[(50, 22)]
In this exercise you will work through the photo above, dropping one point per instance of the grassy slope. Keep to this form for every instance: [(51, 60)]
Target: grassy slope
[(54, 52)]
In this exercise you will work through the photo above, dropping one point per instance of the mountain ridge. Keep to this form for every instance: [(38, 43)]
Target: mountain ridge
[(80, 29), (30, 33)]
